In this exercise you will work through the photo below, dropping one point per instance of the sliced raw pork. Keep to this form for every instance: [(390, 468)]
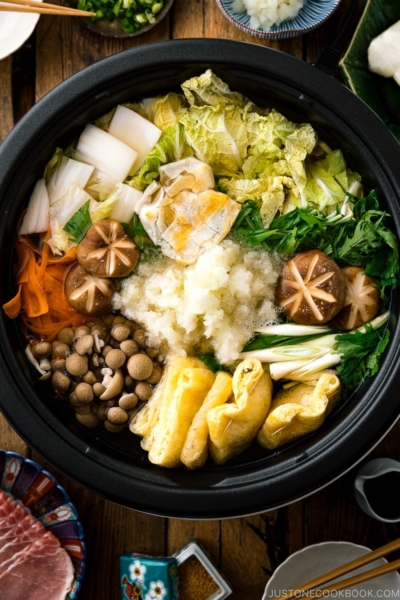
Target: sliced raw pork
[(32, 562), (19, 541)]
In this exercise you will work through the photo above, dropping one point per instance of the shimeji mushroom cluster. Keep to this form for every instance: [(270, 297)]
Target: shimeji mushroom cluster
[(104, 368)]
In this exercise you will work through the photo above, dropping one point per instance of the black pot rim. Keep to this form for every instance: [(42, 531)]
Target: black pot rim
[(238, 490)]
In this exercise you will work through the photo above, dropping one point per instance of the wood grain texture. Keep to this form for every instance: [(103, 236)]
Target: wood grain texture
[(9, 439), (208, 533), (6, 112), (65, 46), (246, 553)]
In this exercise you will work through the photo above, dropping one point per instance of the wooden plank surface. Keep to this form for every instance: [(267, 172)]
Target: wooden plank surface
[(247, 549), (65, 46), (6, 113)]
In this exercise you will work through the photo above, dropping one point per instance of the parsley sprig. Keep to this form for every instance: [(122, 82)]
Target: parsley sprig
[(361, 352)]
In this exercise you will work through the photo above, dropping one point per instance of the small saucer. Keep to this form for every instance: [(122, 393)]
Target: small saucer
[(15, 29), (312, 561)]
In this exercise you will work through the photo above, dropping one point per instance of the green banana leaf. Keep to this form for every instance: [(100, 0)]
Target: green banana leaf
[(381, 94)]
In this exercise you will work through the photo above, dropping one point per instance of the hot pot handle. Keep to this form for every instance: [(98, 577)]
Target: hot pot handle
[(329, 59)]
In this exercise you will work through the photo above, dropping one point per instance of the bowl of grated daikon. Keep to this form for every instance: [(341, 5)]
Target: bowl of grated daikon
[(277, 19)]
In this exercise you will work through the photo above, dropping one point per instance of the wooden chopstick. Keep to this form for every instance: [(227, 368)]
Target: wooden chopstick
[(37, 4), (346, 583), (346, 568), (32, 6)]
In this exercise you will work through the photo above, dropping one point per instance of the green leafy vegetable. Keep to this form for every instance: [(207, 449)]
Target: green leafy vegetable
[(137, 232), (328, 180), (212, 363), (166, 110), (102, 210), (265, 159), (79, 224), (361, 353), (298, 145), (171, 146), (210, 90), (366, 241), (218, 135)]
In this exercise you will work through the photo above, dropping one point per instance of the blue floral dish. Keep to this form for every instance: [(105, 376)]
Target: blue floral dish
[(313, 14), (40, 493)]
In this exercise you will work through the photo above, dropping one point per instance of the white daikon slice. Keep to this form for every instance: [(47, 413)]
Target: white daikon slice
[(135, 131), (36, 219), (384, 52), (67, 173), (65, 208), (113, 159), (127, 198)]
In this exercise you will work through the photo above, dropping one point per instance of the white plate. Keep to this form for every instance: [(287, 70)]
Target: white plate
[(312, 561), (15, 28)]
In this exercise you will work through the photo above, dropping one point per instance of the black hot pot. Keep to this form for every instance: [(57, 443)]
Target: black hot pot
[(115, 466)]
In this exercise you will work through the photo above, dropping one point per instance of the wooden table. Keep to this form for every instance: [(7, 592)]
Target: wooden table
[(248, 549)]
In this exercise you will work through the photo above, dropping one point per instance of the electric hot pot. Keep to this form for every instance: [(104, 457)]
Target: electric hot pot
[(114, 465)]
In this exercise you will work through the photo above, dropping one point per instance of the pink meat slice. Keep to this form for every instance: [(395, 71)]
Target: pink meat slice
[(3, 497), (23, 521), (6, 505), (43, 571), (23, 525), (13, 517), (8, 508), (18, 542)]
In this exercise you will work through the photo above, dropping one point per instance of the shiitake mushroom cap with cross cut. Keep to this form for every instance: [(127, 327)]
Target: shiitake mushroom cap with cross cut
[(311, 289), (88, 294), (107, 251), (362, 299)]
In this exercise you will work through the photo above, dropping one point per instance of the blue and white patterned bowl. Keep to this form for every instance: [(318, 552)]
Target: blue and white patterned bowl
[(313, 14), (41, 495)]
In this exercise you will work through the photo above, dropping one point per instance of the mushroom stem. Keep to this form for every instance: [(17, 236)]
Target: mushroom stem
[(33, 360)]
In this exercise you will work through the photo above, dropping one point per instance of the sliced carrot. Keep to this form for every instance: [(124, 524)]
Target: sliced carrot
[(13, 307), (40, 299)]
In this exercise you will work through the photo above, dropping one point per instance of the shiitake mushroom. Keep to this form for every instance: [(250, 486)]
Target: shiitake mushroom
[(311, 289), (362, 299), (107, 251), (88, 294)]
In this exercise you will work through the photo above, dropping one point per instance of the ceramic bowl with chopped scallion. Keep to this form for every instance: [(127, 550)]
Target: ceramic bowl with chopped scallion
[(124, 18)]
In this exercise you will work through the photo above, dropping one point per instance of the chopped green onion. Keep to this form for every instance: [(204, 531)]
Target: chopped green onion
[(286, 353), (293, 329), (132, 14)]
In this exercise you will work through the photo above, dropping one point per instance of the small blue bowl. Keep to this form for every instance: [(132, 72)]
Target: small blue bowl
[(312, 15), (41, 495)]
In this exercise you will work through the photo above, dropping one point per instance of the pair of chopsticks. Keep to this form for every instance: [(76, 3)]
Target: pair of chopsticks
[(41, 8), (344, 569)]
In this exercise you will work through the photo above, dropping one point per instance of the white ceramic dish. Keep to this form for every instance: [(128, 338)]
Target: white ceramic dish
[(312, 561), (15, 28)]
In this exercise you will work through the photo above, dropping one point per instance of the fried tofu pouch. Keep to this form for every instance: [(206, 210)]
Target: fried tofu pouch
[(176, 415), (233, 426), (299, 410), (195, 450), (144, 422)]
